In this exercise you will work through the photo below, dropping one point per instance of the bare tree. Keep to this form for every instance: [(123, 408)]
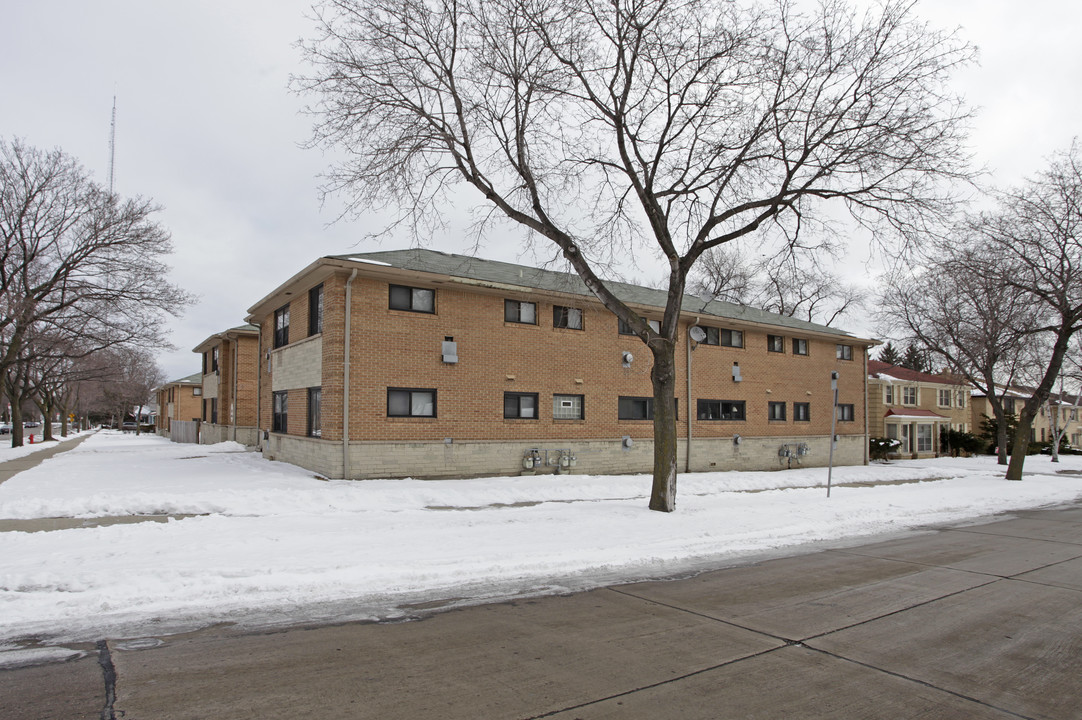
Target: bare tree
[(80, 266), (606, 126), (954, 309)]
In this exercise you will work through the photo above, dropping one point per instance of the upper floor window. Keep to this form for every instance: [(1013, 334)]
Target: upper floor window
[(567, 317), (315, 310), (515, 311), (520, 405), (944, 398), (800, 346), (624, 329), (214, 358), (412, 299), (732, 338), (844, 352), (720, 410), (411, 402), (281, 326), (888, 394), (775, 343), (962, 398), (567, 407), (909, 395)]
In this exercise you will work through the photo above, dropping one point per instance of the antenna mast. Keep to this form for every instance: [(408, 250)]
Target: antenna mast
[(112, 147)]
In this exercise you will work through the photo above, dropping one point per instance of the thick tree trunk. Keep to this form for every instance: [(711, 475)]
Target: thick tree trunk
[(1021, 445), (1001, 440), (663, 376)]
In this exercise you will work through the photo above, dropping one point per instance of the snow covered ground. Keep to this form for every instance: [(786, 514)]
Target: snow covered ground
[(265, 542)]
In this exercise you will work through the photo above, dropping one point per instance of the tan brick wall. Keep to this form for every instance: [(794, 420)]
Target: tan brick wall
[(391, 348)]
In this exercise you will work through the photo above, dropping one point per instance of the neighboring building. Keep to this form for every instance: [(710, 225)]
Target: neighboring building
[(1062, 410), (461, 366), (913, 407), (179, 401), (230, 386)]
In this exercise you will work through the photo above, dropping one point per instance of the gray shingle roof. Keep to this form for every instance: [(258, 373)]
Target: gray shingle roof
[(464, 266)]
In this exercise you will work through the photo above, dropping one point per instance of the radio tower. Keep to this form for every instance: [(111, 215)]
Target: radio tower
[(112, 147)]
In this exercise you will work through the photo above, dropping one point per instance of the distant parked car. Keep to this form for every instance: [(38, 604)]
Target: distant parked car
[(129, 425), (5, 429), (31, 424)]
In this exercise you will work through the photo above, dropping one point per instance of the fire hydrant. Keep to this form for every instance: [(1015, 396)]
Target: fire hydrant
[(31, 438)]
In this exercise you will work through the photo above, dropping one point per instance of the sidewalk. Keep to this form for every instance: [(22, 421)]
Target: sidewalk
[(9, 468), (971, 621)]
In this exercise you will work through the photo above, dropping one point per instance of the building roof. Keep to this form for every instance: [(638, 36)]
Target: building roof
[(895, 373), (914, 414), (246, 329), (497, 274), (196, 379)]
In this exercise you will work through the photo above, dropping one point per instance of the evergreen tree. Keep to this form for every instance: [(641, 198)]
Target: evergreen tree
[(889, 355), (915, 359)]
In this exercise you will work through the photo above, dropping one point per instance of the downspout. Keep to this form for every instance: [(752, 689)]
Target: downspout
[(866, 426), (345, 375), (259, 390), (233, 389), (690, 408)]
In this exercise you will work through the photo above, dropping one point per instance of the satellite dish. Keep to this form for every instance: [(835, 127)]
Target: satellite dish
[(697, 334)]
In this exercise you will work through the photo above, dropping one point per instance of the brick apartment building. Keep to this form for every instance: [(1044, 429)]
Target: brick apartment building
[(230, 362), (179, 400), (461, 366), (912, 407)]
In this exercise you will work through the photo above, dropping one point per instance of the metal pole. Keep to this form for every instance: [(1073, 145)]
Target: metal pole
[(833, 425)]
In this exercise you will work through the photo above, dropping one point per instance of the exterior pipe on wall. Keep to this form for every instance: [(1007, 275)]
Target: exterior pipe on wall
[(345, 374), (691, 408)]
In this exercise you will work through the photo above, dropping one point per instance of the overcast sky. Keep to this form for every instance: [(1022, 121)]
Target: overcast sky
[(207, 127)]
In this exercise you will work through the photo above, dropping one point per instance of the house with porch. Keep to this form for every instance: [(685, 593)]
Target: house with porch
[(914, 407)]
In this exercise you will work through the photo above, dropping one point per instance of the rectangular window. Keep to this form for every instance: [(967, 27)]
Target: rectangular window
[(962, 398), (280, 420), (411, 402), (520, 405), (721, 410), (567, 317), (843, 352), (924, 438), (197, 391), (775, 343), (315, 310), (315, 412), (944, 398), (203, 405), (713, 336), (639, 408), (800, 346), (567, 407), (515, 311), (909, 395), (420, 300), (624, 329), (775, 411), (1008, 406), (281, 326), (845, 413), (888, 394), (206, 364), (1074, 414), (214, 358), (732, 338), (214, 411), (802, 412)]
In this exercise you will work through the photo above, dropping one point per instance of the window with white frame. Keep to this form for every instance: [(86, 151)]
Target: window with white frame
[(888, 394), (962, 398), (909, 395), (944, 398), (924, 438)]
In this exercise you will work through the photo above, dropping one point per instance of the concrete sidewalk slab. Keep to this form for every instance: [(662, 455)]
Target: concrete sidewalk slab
[(1014, 644), (800, 597), (71, 690), (520, 659), (988, 550), (793, 683), (1065, 575)]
